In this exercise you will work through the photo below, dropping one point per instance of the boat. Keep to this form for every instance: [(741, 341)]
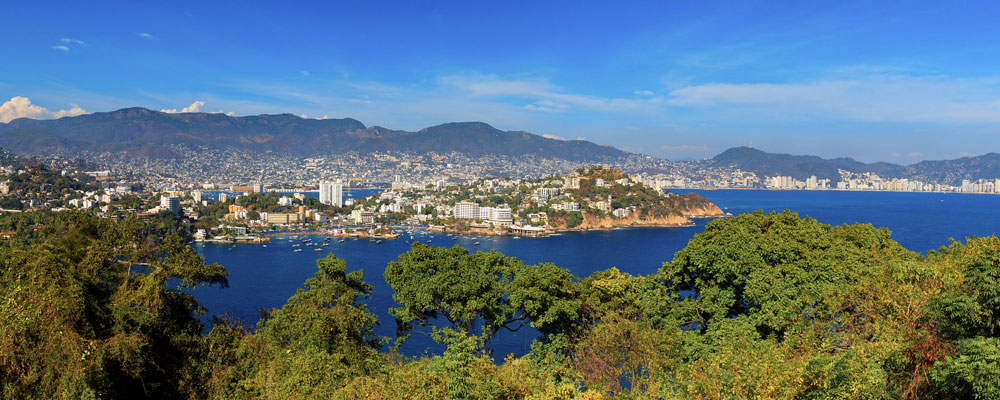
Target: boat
[(296, 250), (317, 249), (378, 241), (265, 245), (411, 237), (476, 244), (325, 244), (295, 245), (340, 241)]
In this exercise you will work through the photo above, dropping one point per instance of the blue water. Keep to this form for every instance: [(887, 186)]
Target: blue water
[(266, 277)]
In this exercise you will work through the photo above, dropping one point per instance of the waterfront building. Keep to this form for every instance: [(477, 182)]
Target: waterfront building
[(466, 210), (331, 193)]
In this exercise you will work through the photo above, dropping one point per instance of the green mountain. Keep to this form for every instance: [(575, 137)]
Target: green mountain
[(148, 133), (951, 172)]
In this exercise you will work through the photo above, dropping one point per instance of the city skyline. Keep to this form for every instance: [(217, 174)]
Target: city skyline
[(887, 82)]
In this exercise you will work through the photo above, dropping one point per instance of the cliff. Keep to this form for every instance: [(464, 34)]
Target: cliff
[(591, 221)]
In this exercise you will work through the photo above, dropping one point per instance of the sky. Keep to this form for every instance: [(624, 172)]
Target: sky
[(877, 81)]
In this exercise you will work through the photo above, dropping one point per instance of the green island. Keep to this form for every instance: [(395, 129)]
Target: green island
[(757, 306)]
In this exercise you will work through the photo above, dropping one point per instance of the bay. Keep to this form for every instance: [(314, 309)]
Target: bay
[(264, 277)]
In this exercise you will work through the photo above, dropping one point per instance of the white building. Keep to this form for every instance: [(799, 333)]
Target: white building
[(466, 210), (285, 201), (331, 193), (495, 215), (171, 203)]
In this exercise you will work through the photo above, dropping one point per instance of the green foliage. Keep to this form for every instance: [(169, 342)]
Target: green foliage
[(89, 312), (322, 337), (574, 219), (487, 289), (757, 306), (972, 373)]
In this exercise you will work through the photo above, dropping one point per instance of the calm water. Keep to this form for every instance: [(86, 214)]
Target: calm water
[(266, 277)]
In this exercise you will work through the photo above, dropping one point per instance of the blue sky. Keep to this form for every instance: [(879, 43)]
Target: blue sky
[(878, 81)]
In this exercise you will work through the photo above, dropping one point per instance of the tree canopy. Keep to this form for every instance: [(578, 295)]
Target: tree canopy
[(762, 305)]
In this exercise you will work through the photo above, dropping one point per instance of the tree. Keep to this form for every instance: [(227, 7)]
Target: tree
[(91, 312), (484, 289), (310, 347), (574, 219)]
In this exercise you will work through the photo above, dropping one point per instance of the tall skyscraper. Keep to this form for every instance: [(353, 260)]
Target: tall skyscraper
[(331, 193)]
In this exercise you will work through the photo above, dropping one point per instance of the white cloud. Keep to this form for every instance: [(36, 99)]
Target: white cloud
[(144, 35), (551, 136), (21, 107), (71, 41), (193, 108), (644, 93), (63, 48)]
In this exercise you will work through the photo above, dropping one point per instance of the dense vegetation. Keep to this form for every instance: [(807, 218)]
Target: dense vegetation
[(757, 306)]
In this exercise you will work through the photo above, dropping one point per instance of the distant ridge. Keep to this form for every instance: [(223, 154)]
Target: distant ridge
[(148, 133), (763, 164)]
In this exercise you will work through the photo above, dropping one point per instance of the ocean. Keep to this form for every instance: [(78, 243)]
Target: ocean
[(264, 277)]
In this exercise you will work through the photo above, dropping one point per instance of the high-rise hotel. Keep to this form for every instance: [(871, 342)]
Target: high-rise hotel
[(331, 193)]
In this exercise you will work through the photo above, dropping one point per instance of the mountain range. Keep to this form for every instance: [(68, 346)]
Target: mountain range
[(147, 133), (140, 132), (986, 166)]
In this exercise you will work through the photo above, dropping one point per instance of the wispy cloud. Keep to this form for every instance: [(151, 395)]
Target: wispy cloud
[(541, 95), (305, 73), (144, 35), (875, 97), (21, 107), (61, 48), (72, 41)]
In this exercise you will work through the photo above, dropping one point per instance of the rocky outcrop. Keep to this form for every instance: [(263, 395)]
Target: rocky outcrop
[(592, 222)]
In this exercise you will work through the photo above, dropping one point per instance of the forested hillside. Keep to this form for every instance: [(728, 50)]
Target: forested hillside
[(757, 306)]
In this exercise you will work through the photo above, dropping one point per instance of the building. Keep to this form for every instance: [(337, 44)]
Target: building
[(331, 193), (196, 195), (466, 210), (257, 188), (283, 218), (171, 203), (223, 197), (285, 201), (495, 215)]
